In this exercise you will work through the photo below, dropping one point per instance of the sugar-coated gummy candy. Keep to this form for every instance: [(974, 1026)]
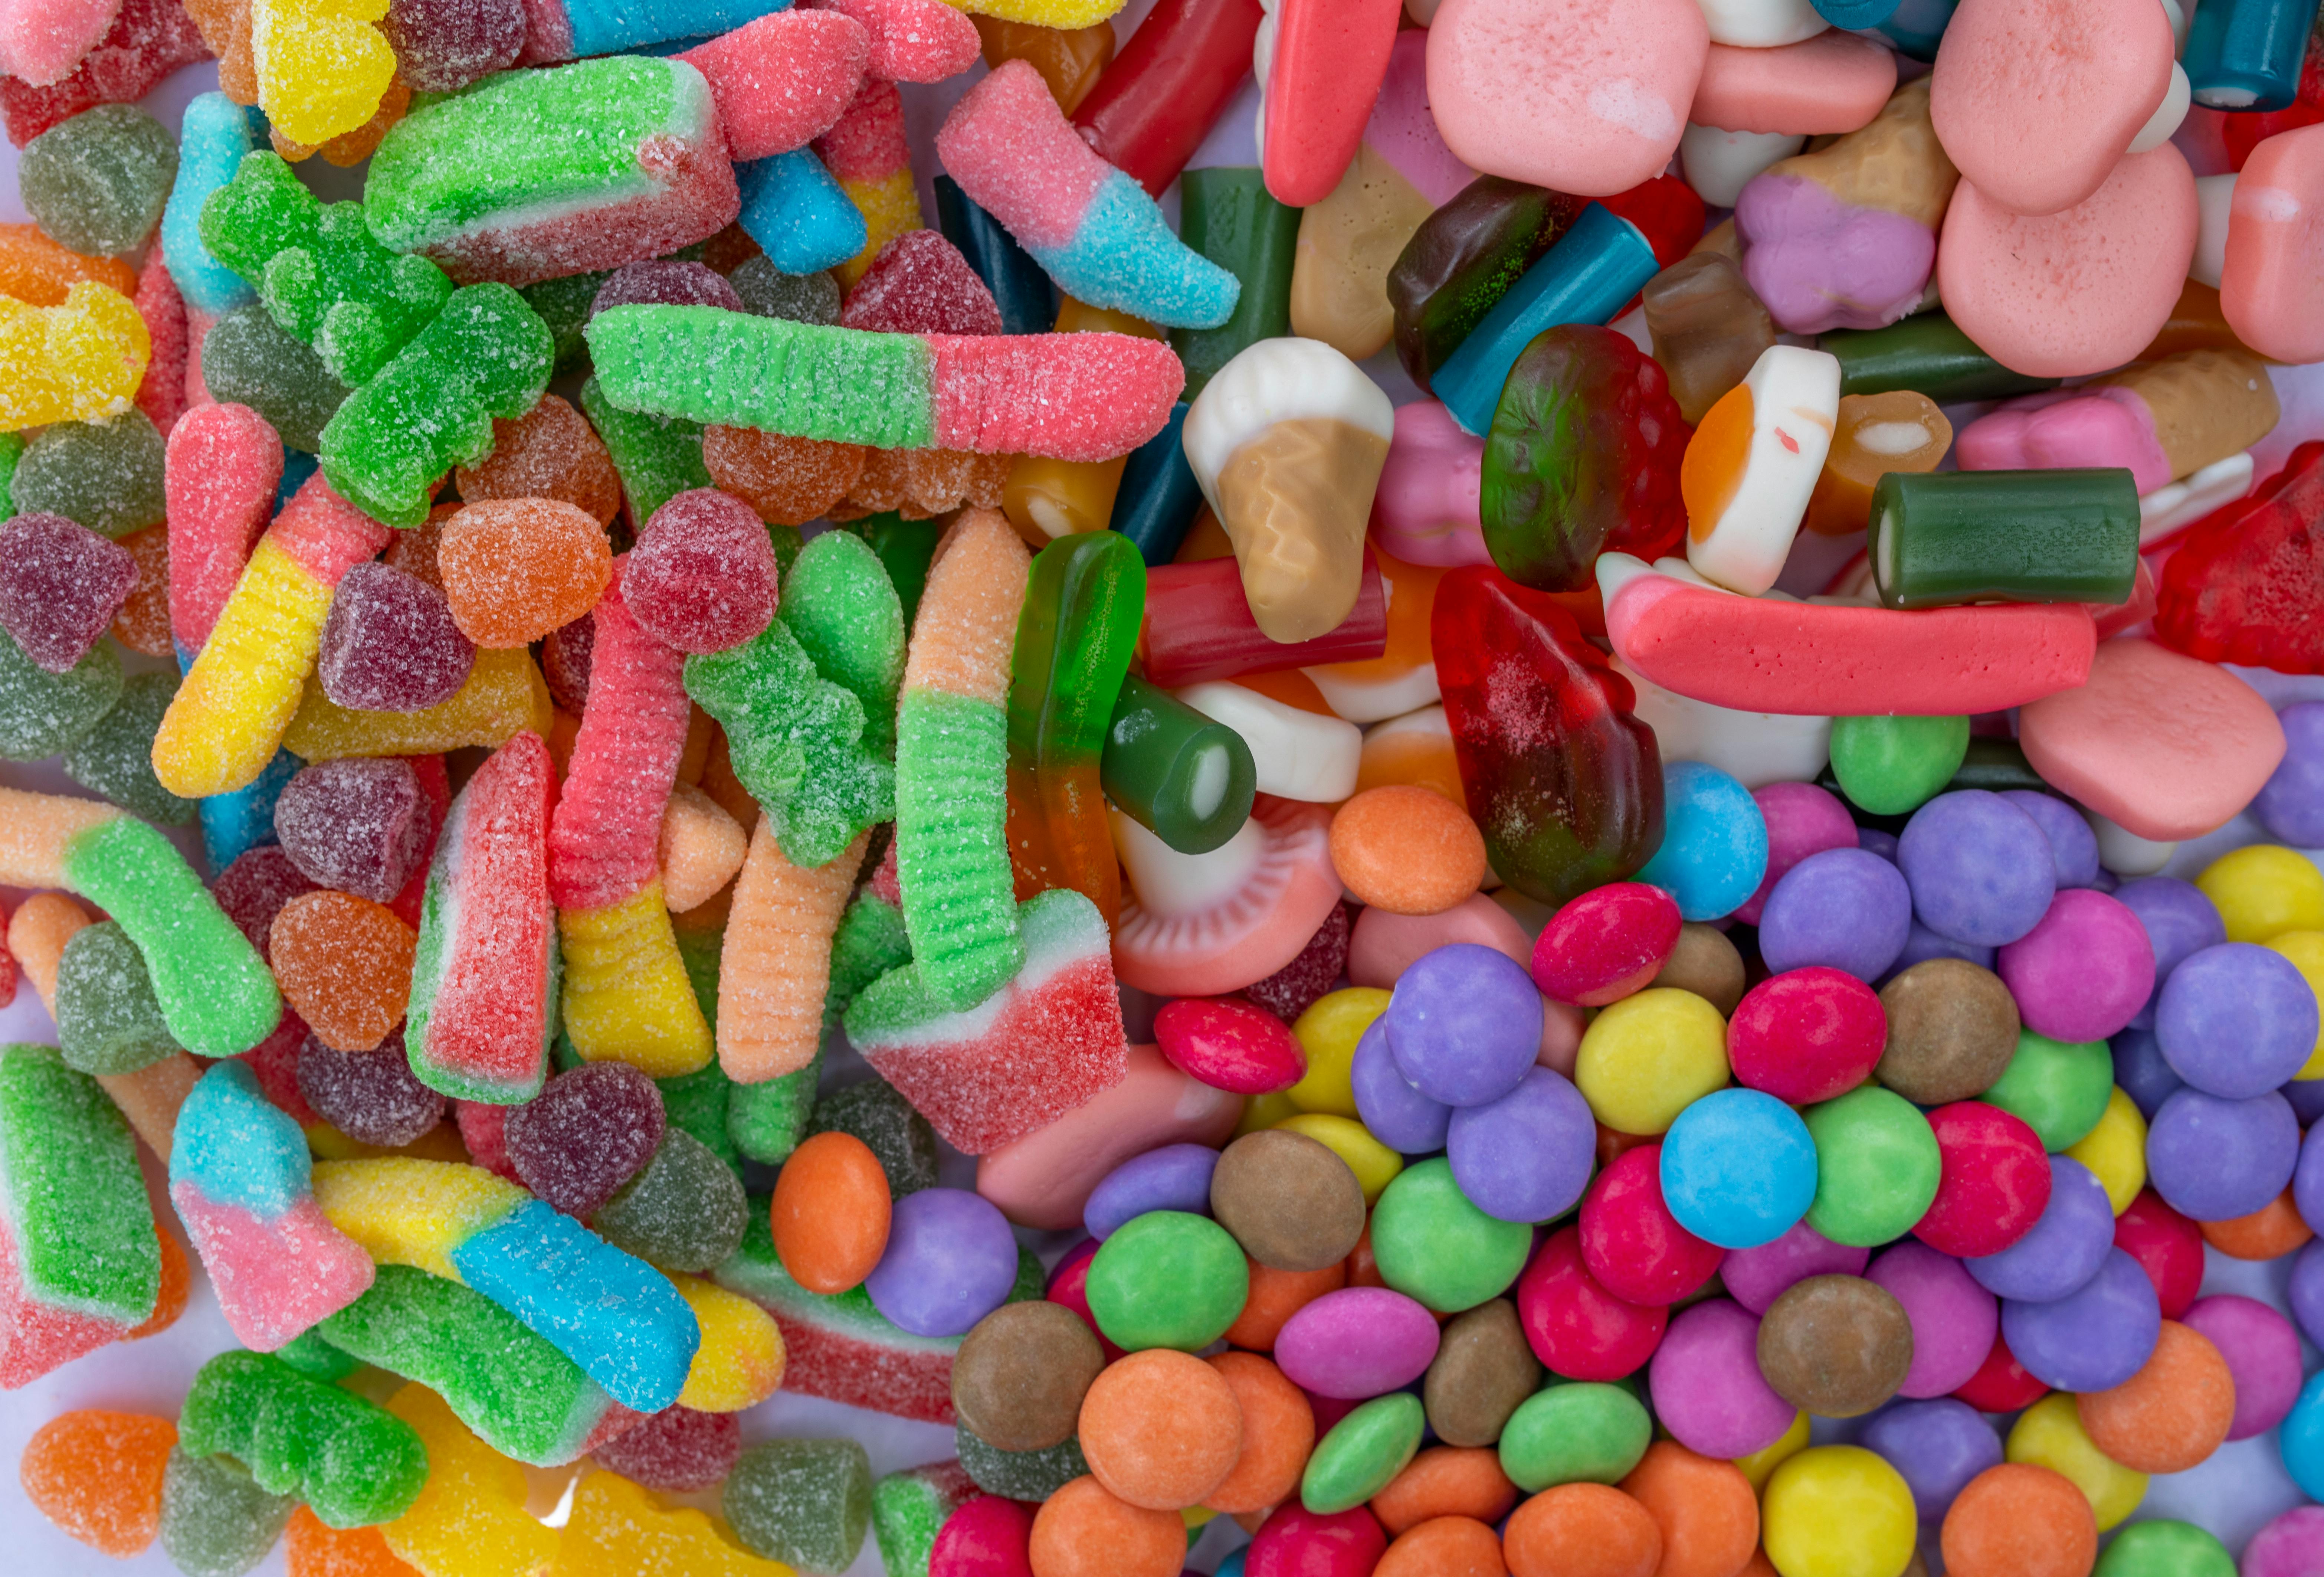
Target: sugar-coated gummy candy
[(702, 576), (549, 452), (351, 1461), (60, 585), (805, 1502), (671, 283), (391, 644), (1032, 1476), (98, 182), (107, 474), (677, 1449), (682, 1211), (74, 362), (359, 825), (108, 1021), (98, 1476), (880, 1115), (142, 624), (368, 1095), (248, 360), (216, 1521), (116, 758), (617, 1527), (441, 48), (587, 1133), (515, 569), (772, 292)]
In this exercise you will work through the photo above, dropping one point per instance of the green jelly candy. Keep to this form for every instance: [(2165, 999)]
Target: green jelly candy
[(909, 1509), (699, 1102), (108, 1019), (486, 355), (564, 305), (116, 758), (840, 605), (1876, 1166), (11, 451), (1229, 216), (907, 549), (797, 742), (1362, 1452), (1574, 1433), (1463, 259), (1435, 1246), (2057, 1088), (248, 360), (1892, 765), (98, 182), (1184, 778), (519, 1394), (889, 1125), (1954, 537), (870, 942), (75, 1204), (320, 271), (105, 475), (657, 457), (1019, 1475), (41, 713), (1075, 635), (1167, 1279), (2165, 1548), (766, 1121), (951, 846), (216, 1521), (311, 1355), (804, 1502), (682, 1211), (801, 297), (215, 991), (353, 1461), (1928, 353)]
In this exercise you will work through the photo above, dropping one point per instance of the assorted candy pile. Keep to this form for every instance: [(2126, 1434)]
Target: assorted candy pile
[(1488, 970)]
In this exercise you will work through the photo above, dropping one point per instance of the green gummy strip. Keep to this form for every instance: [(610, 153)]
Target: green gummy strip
[(214, 991), (657, 457), (77, 1206), (952, 845), (801, 379), (1075, 635), (1176, 773), (353, 1461), (766, 1121), (12, 449), (870, 942), (1228, 215)]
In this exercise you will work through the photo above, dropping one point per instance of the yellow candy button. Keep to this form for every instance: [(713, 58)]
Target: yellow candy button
[(1649, 1057), (1328, 1032), (2264, 891), (2049, 1434)]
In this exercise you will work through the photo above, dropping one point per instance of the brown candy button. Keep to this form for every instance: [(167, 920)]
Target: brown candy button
[(1482, 1370), (1705, 962), (1837, 1346), (1952, 1028), (1289, 1202), (1020, 1375)]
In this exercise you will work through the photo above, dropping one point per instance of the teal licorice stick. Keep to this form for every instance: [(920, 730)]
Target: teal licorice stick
[(1228, 216), (1951, 537), (1182, 777), (1926, 354), (353, 1461)]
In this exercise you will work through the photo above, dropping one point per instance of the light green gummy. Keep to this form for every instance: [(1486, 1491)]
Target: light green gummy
[(486, 355), (77, 1206), (214, 991), (108, 1019), (353, 1462), (909, 1509), (12, 449), (116, 758), (870, 942), (804, 1502), (952, 845), (838, 601), (657, 457), (1892, 765), (216, 1521), (845, 386), (766, 1121), (1361, 1454)]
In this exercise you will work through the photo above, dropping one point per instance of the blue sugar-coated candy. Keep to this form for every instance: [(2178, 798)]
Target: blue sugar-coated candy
[(611, 27), (1738, 1168), (797, 214), (218, 133), (235, 823), (1714, 852), (238, 1148)]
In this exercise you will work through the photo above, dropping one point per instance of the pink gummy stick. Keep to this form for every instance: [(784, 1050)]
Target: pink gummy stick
[(323, 534), (224, 463), (162, 395), (1073, 396), (912, 41), (781, 81), (274, 1278), (486, 1020), (1330, 55), (1018, 158), (867, 142)]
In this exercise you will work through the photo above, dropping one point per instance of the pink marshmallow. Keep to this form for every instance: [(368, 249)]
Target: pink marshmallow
[(1425, 509), (2048, 432), (2272, 288)]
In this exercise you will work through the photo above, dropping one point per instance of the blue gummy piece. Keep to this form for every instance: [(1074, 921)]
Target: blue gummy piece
[(298, 466), (237, 1147), (615, 1315), (610, 27), (1917, 26), (1028, 302), (234, 824), (1124, 256), (1158, 495), (1855, 13), (797, 214), (2245, 54), (218, 133)]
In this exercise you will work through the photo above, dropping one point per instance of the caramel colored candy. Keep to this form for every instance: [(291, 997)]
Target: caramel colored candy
[(1347, 244), (1878, 433), (1837, 1346), (1705, 962), (1289, 1202), (1952, 1028), (1019, 1376)]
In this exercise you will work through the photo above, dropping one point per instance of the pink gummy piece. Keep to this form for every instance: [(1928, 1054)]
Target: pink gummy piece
[(1405, 133), (61, 585), (42, 40), (867, 143), (702, 576), (912, 41), (325, 534), (224, 463), (274, 1278), (1330, 55), (486, 1021), (1425, 510), (781, 81), (1250, 933), (484, 1129), (274, 1063), (886, 884), (162, 395), (678, 1449), (919, 283), (149, 39), (2272, 290), (1018, 157), (604, 840), (35, 1338), (1833, 82), (1074, 396), (1384, 946), (2059, 429)]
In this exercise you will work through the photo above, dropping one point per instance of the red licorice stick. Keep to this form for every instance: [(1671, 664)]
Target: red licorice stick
[(1198, 627), (1166, 89)]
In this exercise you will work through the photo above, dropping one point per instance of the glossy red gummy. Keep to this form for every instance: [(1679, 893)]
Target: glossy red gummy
[(1229, 1045), (990, 1537), (1994, 1185), (1298, 1542), (2247, 583), (1807, 1035), (1630, 1240), (2001, 1384), (2168, 1247), (1606, 943), (1576, 1327), (1666, 212)]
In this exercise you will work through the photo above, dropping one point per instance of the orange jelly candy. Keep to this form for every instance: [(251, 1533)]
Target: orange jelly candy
[(788, 481), (345, 965), (549, 452), (98, 1475), (515, 568)]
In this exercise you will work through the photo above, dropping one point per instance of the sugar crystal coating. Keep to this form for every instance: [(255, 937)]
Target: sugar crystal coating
[(683, 1210), (98, 182), (670, 282), (107, 474), (41, 713), (116, 758), (370, 1096), (565, 654), (678, 1449), (60, 585), (344, 964), (216, 1521), (919, 283), (359, 825), (248, 360), (588, 1131), (352, 1461), (549, 452), (254, 887), (443, 45), (391, 644), (108, 1021), (768, 292), (98, 1475), (808, 1502), (702, 576)]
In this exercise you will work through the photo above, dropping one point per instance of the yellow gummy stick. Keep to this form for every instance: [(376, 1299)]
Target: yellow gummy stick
[(74, 363), (406, 1212), (232, 708), (504, 695), (1066, 15), (627, 997), (775, 967), (890, 205), (619, 1530), (739, 1362)]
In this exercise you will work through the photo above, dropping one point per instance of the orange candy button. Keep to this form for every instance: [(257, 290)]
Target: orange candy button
[(1407, 849), (830, 1213)]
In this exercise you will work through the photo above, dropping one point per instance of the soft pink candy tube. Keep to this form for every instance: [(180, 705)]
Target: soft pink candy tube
[(224, 464)]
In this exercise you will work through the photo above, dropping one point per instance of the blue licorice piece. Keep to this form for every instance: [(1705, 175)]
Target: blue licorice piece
[(1027, 301), (1158, 496), (2245, 54)]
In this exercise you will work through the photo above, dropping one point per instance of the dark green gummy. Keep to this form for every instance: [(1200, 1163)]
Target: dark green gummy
[(1463, 259), (870, 942), (42, 713), (1156, 752), (105, 475), (1947, 537), (682, 1211), (1020, 1475), (317, 1358), (698, 1102), (1229, 216), (116, 758), (353, 1462), (801, 297), (905, 549), (216, 1521), (564, 305), (107, 1019), (766, 1121), (657, 457), (806, 1502), (98, 182), (248, 360), (1927, 353), (877, 1112)]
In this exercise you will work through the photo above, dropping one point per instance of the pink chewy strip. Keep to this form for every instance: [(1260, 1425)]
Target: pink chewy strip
[(1100, 394), (780, 82), (1330, 55), (224, 463), (162, 395), (1006, 143), (1404, 132), (324, 535), (912, 41)]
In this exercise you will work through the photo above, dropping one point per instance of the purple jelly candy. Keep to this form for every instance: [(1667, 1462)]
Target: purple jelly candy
[(1938, 1446), (1399, 1116), (2291, 804), (565, 662), (2236, 1020), (2215, 1160), (1757, 1277), (1173, 1178), (587, 1133), (359, 825), (1464, 1024), (443, 45), (950, 1260), (1304, 981), (253, 889), (921, 284), (677, 1449), (1953, 1318), (2073, 847), (665, 284), (1356, 1342), (1980, 869), (2094, 1338), (371, 1095), (702, 576), (389, 644), (1525, 1157), (2066, 1246), (61, 585), (2180, 923), (1842, 909)]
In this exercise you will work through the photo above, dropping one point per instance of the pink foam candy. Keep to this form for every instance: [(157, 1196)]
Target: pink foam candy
[(781, 81), (1019, 159), (42, 40), (274, 1278), (2059, 429), (1044, 1179), (1425, 508), (35, 1338), (912, 41), (1833, 82), (2272, 288), (1252, 931), (1072, 396), (162, 395), (1403, 131), (1770, 654), (1384, 946), (604, 838), (1330, 55), (222, 467)]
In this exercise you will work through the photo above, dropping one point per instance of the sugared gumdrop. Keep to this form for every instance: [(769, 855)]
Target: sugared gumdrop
[(358, 825), (61, 585), (585, 1134), (389, 644), (702, 576)]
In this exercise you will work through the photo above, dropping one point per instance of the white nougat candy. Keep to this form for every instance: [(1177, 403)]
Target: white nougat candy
[(1753, 463), (1299, 755)]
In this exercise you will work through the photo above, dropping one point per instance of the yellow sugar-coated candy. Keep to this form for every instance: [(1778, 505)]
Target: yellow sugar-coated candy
[(890, 207), (2116, 1150), (619, 1530), (504, 695), (407, 1212), (627, 998), (2264, 891), (1328, 1032), (1838, 1511), (1647, 1057), (322, 67), (1373, 1163), (1761, 1465), (2050, 1435), (1064, 15), (73, 362), (2306, 951), (469, 1520), (233, 704), (739, 1362)]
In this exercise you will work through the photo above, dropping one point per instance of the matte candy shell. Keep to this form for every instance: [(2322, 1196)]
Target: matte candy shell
[(831, 1212), (1044, 1179), (2167, 746), (2073, 78), (2077, 291), (1161, 1429), (98, 1476), (1832, 82), (1573, 95), (2272, 291)]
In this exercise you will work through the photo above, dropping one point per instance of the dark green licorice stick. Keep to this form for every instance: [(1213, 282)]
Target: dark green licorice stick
[(1184, 778), (1941, 539), (1227, 216), (1926, 354)]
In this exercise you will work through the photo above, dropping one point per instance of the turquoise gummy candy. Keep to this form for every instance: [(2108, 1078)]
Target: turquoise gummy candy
[(320, 272), (214, 138), (486, 355), (766, 1121), (709, 365), (682, 1211), (216, 1521), (107, 1019), (106, 474), (235, 823), (657, 457), (909, 1509), (877, 1112), (96, 182), (870, 942), (960, 902), (352, 1461), (838, 601), (248, 359), (522, 1397), (41, 713), (77, 1210), (808, 1502), (214, 991), (116, 758)]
